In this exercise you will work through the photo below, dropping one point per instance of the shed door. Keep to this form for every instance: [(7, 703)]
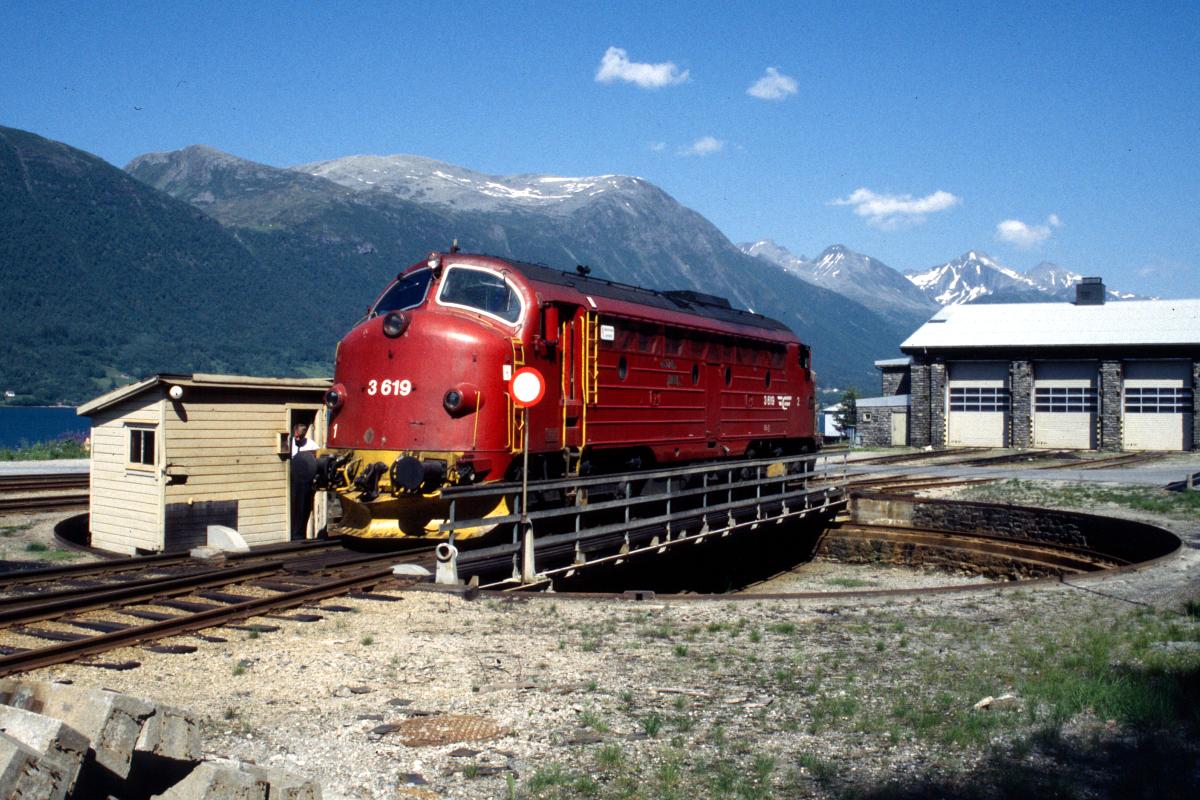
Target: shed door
[(977, 413), (1158, 405), (899, 428), (1064, 404)]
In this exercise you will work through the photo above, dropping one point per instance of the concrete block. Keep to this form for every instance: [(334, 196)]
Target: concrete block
[(60, 746), (25, 775), (112, 722), (225, 538), (284, 785), (171, 733), (218, 781)]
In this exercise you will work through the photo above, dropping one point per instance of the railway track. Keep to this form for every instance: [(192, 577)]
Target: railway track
[(38, 482), (980, 551), (42, 502), (88, 610)]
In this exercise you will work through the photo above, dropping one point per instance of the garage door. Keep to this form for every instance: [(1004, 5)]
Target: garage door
[(1064, 404), (978, 404), (1158, 405)]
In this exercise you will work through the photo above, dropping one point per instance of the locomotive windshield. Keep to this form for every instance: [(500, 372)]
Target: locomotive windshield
[(481, 291), (407, 292)]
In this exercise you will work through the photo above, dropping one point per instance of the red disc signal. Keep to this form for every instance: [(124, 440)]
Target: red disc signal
[(527, 387)]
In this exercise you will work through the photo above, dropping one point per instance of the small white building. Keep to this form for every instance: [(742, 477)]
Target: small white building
[(173, 454)]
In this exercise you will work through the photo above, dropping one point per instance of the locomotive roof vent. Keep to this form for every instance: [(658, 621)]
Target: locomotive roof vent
[(685, 297)]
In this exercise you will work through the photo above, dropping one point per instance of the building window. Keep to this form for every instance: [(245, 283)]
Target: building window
[(1157, 400), (1065, 400), (141, 446), (866, 416), (978, 398)]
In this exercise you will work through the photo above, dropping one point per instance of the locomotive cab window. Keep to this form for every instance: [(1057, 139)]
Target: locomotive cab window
[(406, 292), (481, 290)]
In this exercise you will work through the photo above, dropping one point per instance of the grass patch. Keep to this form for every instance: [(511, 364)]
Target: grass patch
[(1087, 496), (44, 451)]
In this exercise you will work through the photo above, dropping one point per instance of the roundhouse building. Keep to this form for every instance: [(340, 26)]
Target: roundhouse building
[(1081, 375)]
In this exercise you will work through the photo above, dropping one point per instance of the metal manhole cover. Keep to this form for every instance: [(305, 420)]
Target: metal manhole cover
[(447, 729)]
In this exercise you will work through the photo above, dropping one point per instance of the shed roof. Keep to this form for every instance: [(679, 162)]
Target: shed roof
[(1131, 322), (883, 402), (200, 379)]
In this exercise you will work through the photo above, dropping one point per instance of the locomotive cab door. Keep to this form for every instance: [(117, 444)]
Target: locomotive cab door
[(714, 392), (580, 351)]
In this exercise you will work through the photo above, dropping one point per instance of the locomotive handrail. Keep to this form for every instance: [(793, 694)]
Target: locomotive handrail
[(484, 490), (668, 494)]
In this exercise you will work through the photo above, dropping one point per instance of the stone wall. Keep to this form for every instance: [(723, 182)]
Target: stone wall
[(1020, 383), (877, 431), (937, 404), (918, 416), (896, 380), (1110, 410), (1120, 538), (1196, 405)]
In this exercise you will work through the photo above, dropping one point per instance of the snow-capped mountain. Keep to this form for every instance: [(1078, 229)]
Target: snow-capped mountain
[(859, 277), (425, 180), (972, 276), (1061, 282)]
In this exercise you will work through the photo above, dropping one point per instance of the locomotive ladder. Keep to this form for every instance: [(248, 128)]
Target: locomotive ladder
[(591, 368)]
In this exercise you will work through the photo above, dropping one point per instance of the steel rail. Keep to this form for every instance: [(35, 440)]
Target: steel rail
[(41, 502), (51, 480), (71, 651), (9, 580)]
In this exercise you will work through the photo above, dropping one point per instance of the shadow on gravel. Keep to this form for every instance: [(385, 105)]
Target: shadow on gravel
[(1162, 761)]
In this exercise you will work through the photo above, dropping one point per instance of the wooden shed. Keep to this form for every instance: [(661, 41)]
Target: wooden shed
[(174, 454)]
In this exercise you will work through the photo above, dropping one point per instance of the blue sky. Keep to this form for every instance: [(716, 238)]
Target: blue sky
[(911, 132)]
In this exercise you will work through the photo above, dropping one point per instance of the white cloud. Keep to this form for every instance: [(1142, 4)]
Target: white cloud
[(657, 147), (704, 146), (773, 86), (1026, 236), (890, 211), (616, 66)]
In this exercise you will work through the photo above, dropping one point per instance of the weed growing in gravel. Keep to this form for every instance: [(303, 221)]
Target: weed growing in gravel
[(652, 724), (610, 756), (783, 628), (848, 583), (681, 651), (36, 547), (13, 530), (591, 685), (367, 640), (240, 667), (591, 719)]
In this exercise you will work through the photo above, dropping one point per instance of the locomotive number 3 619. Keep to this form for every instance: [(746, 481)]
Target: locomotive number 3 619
[(385, 387)]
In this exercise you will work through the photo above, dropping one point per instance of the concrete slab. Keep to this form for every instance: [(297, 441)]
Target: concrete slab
[(25, 775), (171, 733), (212, 780), (112, 722), (60, 746)]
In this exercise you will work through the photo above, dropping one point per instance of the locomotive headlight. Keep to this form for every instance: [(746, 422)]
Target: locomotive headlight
[(461, 399), (335, 397), (394, 324)]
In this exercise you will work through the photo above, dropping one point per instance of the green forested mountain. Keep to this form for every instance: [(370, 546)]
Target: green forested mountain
[(199, 261)]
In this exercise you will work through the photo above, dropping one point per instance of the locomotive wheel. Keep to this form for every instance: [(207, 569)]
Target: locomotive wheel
[(419, 517)]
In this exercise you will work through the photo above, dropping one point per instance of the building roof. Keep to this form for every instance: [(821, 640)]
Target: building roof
[(1130, 322), (894, 362), (198, 380), (883, 402)]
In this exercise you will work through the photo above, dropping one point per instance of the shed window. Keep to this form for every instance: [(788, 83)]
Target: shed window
[(1157, 400), (1065, 399), (141, 446), (978, 398)]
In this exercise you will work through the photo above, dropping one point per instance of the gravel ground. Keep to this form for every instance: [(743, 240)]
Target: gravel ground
[(679, 698)]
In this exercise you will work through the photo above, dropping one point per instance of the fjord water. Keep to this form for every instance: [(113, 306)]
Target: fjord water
[(39, 424)]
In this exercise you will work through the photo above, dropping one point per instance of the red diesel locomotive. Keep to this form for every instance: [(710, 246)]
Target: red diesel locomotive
[(635, 378)]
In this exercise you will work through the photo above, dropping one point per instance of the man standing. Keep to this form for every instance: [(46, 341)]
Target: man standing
[(303, 470)]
